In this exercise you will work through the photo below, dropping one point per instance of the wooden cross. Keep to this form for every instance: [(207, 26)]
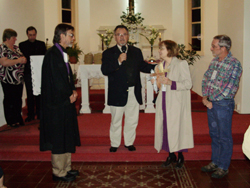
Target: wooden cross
[(131, 5)]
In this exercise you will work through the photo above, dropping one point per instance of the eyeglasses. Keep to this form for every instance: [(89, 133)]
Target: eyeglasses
[(71, 35), (119, 35)]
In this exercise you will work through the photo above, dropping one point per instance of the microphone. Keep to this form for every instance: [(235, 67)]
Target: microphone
[(124, 48)]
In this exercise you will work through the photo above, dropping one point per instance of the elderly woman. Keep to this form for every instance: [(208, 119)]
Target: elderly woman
[(173, 123), (11, 77)]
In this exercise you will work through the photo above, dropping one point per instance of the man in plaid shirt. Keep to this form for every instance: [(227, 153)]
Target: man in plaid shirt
[(219, 86)]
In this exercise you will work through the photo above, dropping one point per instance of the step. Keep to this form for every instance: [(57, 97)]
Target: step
[(102, 154)]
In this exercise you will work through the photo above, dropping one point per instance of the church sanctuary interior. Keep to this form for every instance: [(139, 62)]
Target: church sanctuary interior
[(186, 22)]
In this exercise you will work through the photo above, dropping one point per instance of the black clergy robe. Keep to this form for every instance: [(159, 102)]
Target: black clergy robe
[(58, 122)]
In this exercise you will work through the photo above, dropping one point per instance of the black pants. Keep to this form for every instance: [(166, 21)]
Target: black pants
[(32, 100), (1, 172), (12, 103)]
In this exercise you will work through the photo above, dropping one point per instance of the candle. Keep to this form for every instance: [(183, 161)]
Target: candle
[(159, 37)]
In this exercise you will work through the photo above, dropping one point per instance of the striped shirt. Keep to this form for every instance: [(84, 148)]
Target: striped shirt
[(221, 80)]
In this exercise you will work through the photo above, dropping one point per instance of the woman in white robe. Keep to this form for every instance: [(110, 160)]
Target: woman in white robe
[(173, 122)]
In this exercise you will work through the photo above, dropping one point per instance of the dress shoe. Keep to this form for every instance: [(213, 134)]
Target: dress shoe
[(66, 178), (73, 172), (113, 149), (169, 161), (180, 162), (14, 125), (29, 118), (130, 148)]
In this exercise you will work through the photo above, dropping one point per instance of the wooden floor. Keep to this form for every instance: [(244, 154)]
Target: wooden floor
[(125, 174)]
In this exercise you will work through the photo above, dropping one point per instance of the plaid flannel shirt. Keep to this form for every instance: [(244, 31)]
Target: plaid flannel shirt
[(226, 81)]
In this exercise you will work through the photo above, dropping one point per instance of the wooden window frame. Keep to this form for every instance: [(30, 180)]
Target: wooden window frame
[(189, 23)]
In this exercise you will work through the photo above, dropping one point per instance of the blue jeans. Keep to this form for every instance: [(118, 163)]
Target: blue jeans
[(220, 130)]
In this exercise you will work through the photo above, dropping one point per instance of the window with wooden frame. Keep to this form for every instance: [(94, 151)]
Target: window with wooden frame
[(195, 25), (68, 13)]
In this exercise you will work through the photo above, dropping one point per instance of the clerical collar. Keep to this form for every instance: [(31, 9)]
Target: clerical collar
[(120, 48)]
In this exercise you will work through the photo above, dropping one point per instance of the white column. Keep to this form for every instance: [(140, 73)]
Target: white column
[(85, 91), (150, 97)]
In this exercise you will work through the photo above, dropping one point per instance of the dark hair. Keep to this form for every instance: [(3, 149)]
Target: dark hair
[(120, 27), (224, 40), (61, 29), (30, 28), (8, 33), (172, 47)]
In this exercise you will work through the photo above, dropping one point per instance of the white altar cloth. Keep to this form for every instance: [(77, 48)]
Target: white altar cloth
[(36, 62)]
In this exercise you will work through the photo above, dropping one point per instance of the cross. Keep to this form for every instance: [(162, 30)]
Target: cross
[(131, 5)]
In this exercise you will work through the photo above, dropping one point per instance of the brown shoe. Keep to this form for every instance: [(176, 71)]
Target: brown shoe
[(209, 168), (219, 173)]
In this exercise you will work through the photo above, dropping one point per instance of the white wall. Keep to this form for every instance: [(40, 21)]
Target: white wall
[(19, 15), (244, 99), (231, 23)]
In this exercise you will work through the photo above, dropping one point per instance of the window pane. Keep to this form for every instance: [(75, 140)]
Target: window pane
[(66, 4), (196, 3), (196, 29), (196, 44), (66, 16), (196, 15)]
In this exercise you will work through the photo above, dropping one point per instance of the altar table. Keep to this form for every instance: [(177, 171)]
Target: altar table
[(86, 72)]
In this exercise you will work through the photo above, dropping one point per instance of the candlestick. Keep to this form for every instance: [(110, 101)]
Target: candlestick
[(102, 43)]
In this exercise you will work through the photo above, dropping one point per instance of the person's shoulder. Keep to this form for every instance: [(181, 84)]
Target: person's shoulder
[(134, 48), (23, 43), (110, 50), (40, 42)]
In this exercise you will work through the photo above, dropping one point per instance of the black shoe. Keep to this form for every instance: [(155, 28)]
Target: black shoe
[(130, 148), (66, 178), (73, 172), (169, 161), (180, 162), (113, 149), (14, 125), (29, 118)]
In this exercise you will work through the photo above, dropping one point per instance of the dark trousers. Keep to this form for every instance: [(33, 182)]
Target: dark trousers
[(12, 103), (32, 100)]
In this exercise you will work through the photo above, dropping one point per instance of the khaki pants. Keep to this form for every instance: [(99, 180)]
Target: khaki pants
[(61, 164), (131, 110)]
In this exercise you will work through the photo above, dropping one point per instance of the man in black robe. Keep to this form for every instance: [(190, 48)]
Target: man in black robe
[(28, 48), (58, 122)]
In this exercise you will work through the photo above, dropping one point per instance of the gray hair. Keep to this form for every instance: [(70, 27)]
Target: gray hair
[(224, 40)]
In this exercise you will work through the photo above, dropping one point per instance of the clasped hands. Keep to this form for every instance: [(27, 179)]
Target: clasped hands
[(73, 97)]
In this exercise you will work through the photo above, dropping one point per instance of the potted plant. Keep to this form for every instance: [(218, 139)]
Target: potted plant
[(189, 55), (74, 53)]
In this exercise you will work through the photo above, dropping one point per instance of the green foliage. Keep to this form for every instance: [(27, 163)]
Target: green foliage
[(74, 51), (189, 55), (131, 20)]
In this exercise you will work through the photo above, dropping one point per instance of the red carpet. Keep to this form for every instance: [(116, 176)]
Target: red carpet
[(23, 143)]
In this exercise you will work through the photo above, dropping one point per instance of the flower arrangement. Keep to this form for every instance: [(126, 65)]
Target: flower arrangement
[(131, 20), (107, 37), (152, 34), (132, 42)]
